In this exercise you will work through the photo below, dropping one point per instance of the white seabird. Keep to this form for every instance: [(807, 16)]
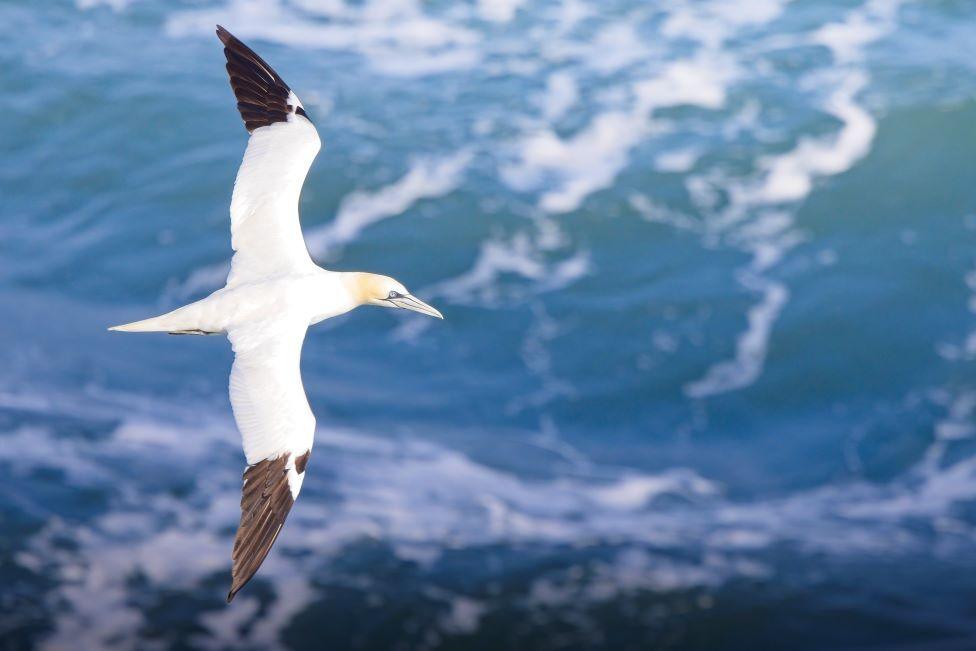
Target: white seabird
[(273, 293)]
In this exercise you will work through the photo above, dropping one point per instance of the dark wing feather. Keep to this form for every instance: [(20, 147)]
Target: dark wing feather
[(262, 96), (266, 500)]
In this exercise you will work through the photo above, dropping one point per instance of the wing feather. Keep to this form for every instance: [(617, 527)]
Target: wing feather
[(277, 428), (266, 233)]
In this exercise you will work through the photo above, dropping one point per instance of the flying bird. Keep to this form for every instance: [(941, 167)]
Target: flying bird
[(274, 292)]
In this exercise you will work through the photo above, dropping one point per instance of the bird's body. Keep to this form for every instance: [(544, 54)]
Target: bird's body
[(274, 292), (307, 297)]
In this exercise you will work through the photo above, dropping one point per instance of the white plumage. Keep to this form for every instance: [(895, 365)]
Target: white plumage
[(269, 183), (274, 292), (266, 391)]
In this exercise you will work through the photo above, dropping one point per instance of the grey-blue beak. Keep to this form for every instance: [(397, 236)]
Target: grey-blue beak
[(409, 302)]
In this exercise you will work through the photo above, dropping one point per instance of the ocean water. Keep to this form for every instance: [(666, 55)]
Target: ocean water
[(706, 378)]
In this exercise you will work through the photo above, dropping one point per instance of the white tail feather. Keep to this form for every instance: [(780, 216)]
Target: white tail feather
[(155, 324)]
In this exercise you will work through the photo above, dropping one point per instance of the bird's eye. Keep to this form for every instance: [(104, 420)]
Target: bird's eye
[(394, 294)]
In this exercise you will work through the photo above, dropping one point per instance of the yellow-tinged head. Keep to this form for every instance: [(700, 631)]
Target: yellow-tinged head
[(374, 289)]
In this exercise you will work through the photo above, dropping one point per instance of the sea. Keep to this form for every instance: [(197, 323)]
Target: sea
[(706, 378)]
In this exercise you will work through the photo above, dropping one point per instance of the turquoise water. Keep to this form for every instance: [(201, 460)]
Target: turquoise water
[(706, 378)]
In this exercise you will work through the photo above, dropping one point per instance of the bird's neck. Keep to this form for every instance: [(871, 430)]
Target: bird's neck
[(333, 293), (360, 286)]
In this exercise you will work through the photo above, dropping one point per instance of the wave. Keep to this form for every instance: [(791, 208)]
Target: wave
[(751, 347), (597, 75), (571, 169), (498, 11), (395, 38), (785, 181), (426, 178), (507, 271), (518, 256), (697, 116), (560, 95), (747, 205), (667, 531), (790, 176)]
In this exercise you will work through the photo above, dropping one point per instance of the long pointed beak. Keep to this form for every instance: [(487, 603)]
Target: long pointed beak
[(409, 302)]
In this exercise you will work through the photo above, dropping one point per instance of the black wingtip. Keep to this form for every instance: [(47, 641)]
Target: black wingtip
[(262, 96), (223, 34), (235, 587)]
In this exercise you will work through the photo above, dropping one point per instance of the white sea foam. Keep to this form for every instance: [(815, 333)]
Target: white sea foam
[(750, 349), (149, 534), (677, 160), (655, 212), (966, 350), (573, 168), (464, 616), (847, 39), (790, 175), (636, 492), (116, 5), (507, 271), (518, 256), (959, 422), (498, 11), (422, 498), (426, 178), (712, 23), (614, 47), (959, 401), (578, 166), (632, 571), (699, 81), (390, 61), (395, 37), (538, 361), (787, 179), (567, 14), (560, 95)]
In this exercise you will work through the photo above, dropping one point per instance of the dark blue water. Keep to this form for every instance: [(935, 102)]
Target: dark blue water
[(706, 378)]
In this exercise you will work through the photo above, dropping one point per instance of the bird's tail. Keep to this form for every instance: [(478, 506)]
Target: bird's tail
[(155, 324), (181, 321)]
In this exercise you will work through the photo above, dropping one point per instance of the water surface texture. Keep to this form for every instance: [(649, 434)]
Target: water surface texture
[(706, 378)]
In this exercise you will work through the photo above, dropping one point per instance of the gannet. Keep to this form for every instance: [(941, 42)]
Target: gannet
[(274, 292)]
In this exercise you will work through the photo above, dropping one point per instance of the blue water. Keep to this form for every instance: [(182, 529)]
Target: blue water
[(706, 378)]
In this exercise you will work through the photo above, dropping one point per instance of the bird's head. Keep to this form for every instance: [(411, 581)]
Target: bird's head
[(374, 289)]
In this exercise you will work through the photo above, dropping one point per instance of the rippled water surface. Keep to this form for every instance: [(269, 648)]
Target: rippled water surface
[(706, 378)]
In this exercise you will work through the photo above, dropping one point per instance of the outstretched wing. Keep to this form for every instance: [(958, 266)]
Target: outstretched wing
[(277, 428), (265, 230)]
